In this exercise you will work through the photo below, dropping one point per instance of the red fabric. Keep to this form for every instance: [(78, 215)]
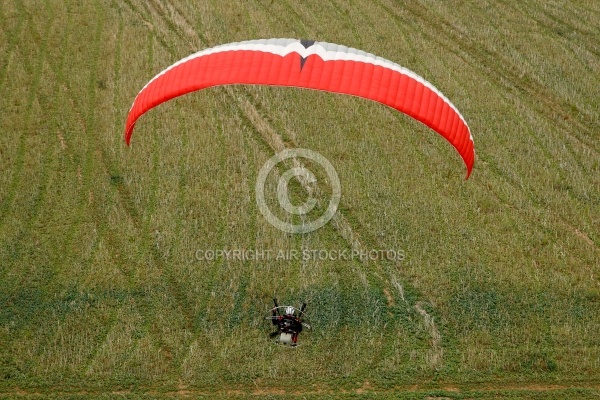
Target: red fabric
[(373, 82)]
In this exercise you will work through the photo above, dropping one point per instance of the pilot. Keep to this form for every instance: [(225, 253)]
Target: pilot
[(288, 323)]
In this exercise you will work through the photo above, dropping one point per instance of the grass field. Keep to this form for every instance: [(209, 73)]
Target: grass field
[(101, 292)]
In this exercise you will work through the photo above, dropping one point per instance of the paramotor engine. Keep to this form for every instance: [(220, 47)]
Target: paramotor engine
[(289, 321)]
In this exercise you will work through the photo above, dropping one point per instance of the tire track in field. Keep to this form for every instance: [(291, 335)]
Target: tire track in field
[(485, 61), (266, 9), (66, 144), (562, 173), (126, 201), (539, 208), (435, 355), (179, 25), (103, 230), (561, 28), (559, 171), (151, 27), (590, 36), (112, 236), (345, 14), (487, 67), (494, 66), (184, 26), (303, 29), (573, 37), (158, 12), (536, 138), (131, 210), (86, 123), (177, 22), (7, 202), (62, 82), (559, 23), (28, 224), (43, 101), (13, 36)]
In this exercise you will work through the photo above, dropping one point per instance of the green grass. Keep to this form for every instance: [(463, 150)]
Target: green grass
[(101, 294)]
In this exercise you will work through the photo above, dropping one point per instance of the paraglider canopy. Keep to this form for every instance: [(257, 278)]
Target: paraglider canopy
[(312, 65)]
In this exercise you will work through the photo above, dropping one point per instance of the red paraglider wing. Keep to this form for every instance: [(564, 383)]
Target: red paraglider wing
[(312, 65)]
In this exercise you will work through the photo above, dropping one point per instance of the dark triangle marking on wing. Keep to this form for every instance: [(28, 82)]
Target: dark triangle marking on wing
[(302, 61), (306, 43)]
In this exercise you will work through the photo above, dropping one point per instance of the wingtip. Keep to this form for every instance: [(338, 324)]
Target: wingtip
[(127, 135), (469, 163)]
